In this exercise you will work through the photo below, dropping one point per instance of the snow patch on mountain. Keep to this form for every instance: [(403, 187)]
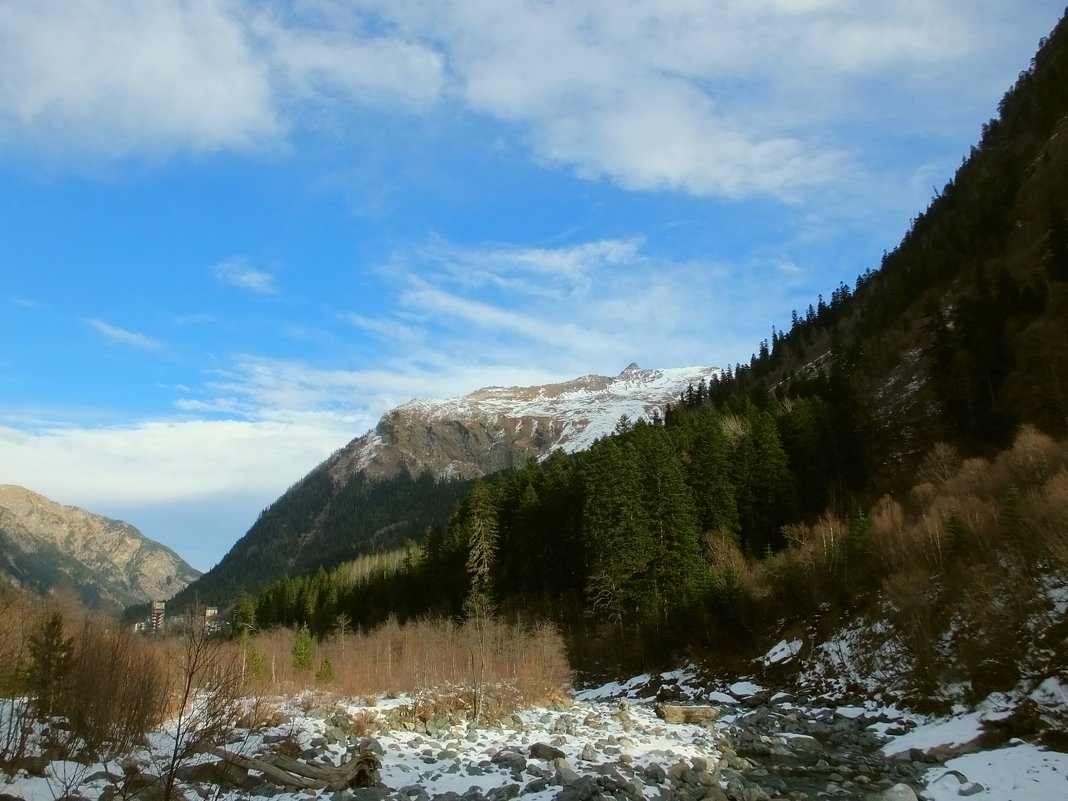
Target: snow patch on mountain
[(495, 427)]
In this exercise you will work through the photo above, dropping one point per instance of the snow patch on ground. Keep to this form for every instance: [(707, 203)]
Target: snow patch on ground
[(1021, 772), (781, 652)]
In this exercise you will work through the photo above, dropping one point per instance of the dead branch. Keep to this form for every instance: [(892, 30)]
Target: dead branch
[(360, 771)]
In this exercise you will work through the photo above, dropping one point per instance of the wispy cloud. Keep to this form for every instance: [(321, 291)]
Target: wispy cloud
[(651, 96), (115, 78), (121, 336), (237, 272), (564, 311), (389, 330)]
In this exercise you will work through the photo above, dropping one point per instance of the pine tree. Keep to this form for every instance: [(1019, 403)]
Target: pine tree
[(480, 521), (616, 531), (303, 648), (51, 659), (709, 476), (325, 673), (676, 569)]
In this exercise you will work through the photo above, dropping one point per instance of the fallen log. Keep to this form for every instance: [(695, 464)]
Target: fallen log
[(360, 771), (675, 713)]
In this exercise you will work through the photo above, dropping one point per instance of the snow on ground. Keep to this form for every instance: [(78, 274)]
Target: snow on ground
[(588, 732), (955, 731), (781, 652), (1020, 772), (615, 724)]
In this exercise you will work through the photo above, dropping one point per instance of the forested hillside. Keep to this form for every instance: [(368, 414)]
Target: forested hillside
[(356, 517), (959, 337)]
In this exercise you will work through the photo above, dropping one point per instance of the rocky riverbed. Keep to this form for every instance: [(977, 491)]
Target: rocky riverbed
[(609, 743)]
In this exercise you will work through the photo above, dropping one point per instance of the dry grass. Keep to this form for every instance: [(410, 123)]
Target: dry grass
[(960, 560), (394, 659)]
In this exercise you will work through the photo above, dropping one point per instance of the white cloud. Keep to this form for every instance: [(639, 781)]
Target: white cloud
[(561, 312), (339, 64), (112, 77), (115, 78), (728, 99), (121, 336), (206, 474), (237, 273), (724, 99)]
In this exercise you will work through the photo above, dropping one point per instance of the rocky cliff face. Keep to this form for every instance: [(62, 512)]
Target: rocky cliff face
[(500, 427), (44, 544)]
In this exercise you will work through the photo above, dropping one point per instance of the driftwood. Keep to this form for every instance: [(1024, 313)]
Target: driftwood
[(674, 713), (360, 771)]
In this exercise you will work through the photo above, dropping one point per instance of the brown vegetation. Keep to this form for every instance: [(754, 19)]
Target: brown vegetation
[(525, 665), (959, 566)]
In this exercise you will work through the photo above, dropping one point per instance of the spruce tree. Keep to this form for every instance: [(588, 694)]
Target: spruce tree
[(675, 569), (616, 532), (303, 648), (480, 521), (51, 659)]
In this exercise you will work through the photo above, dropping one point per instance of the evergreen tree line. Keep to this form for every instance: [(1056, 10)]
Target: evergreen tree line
[(622, 533)]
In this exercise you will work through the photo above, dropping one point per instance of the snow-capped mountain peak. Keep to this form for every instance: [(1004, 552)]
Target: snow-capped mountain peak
[(498, 427)]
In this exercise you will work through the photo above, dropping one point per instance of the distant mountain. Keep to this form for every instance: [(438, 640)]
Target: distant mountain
[(411, 470), (45, 545)]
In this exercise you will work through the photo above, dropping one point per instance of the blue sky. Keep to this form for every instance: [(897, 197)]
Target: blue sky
[(235, 233)]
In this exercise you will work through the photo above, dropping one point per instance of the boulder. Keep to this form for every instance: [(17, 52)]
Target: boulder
[(899, 792), (675, 714), (545, 751)]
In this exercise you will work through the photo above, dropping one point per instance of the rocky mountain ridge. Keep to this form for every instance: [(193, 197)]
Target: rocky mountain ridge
[(409, 472), (45, 545), (495, 428)]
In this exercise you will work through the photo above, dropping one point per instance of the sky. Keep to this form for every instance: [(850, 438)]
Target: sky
[(233, 233)]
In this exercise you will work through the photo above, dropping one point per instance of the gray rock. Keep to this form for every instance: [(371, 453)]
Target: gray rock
[(510, 759), (899, 792), (654, 773), (505, 793), (589, 754), (679, 773), (565, 774), (545, 751), (565, 724), (536, 786), (371, 744), (804, 742)]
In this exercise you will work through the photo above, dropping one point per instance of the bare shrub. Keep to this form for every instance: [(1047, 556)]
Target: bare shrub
[(116, 691), (18, 616), (994, 610), (395, 658), (917, 620), (1033, 457), (204, 701), (1044, 519), (940, 464)]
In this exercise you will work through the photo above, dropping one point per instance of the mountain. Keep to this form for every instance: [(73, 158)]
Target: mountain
[(408, 473), (45, 545), (497, 428)]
